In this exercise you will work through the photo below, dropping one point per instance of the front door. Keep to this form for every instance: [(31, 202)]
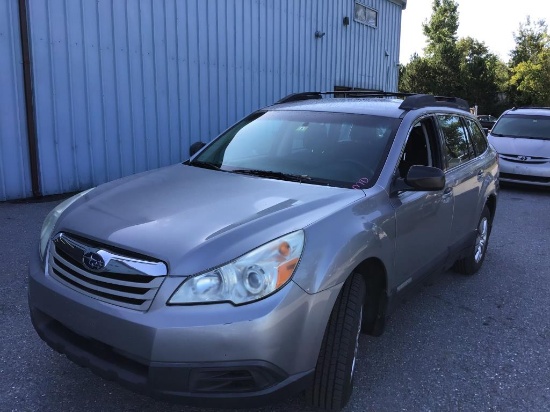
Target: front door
[(423, 219)]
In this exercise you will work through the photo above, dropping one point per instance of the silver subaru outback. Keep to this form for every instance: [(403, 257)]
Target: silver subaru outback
[(250, 270)]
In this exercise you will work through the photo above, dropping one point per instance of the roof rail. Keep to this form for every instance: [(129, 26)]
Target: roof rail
[(296, 97), (411, 100)]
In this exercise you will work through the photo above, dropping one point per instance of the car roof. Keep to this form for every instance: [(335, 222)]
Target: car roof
[(533, 111)]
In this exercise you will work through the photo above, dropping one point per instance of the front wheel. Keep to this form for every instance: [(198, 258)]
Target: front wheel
[(476, 253), (333, 378)]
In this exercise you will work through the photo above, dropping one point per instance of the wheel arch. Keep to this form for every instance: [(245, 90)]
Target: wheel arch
[(374, 274), (491, 204)]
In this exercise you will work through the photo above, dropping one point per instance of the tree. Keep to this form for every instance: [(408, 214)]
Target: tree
[(529, 82), (416, 77), (441, 30), (437, 72), (480, 74), (452, 67), (531, 39)]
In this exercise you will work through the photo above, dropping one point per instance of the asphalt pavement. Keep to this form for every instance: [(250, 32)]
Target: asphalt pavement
[(479, 343)]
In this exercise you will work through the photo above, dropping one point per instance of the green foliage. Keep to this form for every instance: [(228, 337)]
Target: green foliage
[(479, 74), (441, 30), (531, 80), (466, 68), (416, 76), (531, 40), (529, 83), (434, 73)]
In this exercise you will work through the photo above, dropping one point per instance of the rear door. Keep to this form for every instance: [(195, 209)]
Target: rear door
[(464, 174)]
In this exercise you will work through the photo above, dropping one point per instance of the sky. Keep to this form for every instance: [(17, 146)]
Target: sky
[(490, 21)]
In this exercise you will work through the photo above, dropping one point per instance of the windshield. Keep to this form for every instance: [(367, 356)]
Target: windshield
[(533, 127), (335, 149)]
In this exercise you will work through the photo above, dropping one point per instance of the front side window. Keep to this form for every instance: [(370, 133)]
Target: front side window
[(457, 148), (420, 148), (336, 149), (526, 126)]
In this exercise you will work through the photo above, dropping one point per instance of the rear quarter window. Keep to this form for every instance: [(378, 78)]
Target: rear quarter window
[(477, 136), (456, 148)]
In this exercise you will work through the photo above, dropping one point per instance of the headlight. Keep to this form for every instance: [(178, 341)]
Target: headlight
[(253, 276), (51, 219)]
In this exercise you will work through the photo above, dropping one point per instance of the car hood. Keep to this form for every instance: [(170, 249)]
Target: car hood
[(195, 219), (520, 146)]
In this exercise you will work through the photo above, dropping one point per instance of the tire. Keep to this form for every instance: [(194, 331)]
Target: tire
[(470, 264), (333, 379)]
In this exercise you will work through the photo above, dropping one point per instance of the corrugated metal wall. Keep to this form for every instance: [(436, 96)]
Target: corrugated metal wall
[(123, 86), (14, 155)]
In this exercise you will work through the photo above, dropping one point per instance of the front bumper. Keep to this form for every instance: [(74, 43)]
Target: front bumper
[(210, 355), (513, 171)]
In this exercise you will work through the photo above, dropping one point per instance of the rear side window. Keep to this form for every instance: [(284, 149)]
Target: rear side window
[(477, 136), (457, 148)]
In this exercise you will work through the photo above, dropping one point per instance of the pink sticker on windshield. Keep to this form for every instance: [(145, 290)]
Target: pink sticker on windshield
[(360, 183)]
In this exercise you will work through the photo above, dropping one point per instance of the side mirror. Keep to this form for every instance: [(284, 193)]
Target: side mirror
[(421, 178), (425, 178), (195, 147)]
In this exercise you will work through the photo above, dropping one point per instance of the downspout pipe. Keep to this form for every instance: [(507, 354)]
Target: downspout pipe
[(29, 99)]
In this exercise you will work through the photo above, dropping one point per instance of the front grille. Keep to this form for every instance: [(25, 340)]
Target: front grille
[(249, 378), (229, 381), (533, 160), (525, 178), (101, 274)]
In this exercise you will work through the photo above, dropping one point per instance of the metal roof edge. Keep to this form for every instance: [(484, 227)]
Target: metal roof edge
[(402, 3)]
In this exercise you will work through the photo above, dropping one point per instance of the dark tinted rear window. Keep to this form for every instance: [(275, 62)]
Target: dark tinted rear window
[(457, 148), (478, 137)]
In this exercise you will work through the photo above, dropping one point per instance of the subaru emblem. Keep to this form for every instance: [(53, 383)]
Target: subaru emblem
[(93, 261)]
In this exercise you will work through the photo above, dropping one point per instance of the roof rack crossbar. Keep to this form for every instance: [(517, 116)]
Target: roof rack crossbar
[(422, 100), (411, 100)]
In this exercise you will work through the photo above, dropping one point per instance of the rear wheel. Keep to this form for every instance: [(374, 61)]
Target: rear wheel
[(476, 253), (333, 378)]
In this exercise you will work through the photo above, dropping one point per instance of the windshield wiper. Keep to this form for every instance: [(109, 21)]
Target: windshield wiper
[(205, 165), (274, 175)]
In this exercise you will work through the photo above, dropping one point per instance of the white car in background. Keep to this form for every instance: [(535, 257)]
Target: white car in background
[(522, 139)]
